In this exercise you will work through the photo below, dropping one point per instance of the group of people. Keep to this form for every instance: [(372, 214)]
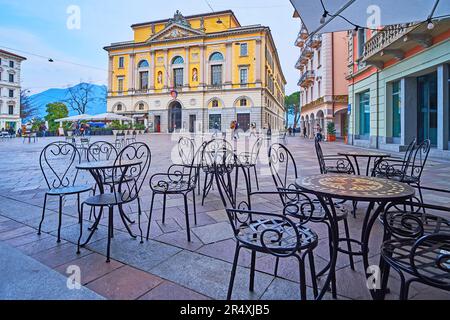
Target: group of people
[(318, 135), (81, 129)]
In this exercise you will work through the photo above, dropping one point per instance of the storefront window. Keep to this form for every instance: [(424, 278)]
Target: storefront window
[(396, 109), (364, 114)]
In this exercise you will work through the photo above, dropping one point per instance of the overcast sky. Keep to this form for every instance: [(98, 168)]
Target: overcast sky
[(39, 27)]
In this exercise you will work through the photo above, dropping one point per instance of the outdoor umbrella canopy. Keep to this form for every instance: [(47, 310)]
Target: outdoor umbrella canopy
[(321, 16), (80, 117), (109, 117)]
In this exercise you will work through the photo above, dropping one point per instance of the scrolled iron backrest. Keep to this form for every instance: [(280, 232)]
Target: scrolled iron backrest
[(408, 154), (256, 149), (217, 151), (419, 159), (186, 150), (58, 163), (101, 151), (128, 181), (282, 166), (320, 156)]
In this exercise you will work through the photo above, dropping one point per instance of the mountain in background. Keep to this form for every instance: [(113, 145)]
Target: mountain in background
[(40, 100)]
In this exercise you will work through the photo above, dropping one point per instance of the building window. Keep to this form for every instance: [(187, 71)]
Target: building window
[(120, 84), (319, 89), (243, 76), (119, 107), (10, 110), (143, 64), (11, 78), (11, 64), (121, 62), (216, 75), (216, 56), (396, 110), (215, 103), (11, 93), (319, 59), (177, 60), (364, 114), (215, 121), (361, 42), (244, 49), (243, 102), (312, 93), (141, 107), (178, 77), (143, 80)]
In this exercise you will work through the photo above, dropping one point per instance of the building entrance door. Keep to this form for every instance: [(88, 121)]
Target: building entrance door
[(157, 124), (192, 119), (243, 120), (427, 108), (175, 114)]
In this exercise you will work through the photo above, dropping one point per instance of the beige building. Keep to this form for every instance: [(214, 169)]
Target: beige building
[(323, 86), (10, 66), (197, 73)]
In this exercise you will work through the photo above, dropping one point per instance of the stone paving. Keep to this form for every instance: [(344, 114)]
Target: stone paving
[(167, 267)]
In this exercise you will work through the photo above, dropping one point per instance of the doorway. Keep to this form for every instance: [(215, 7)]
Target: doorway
[(157, 124), (243, 120), (192, 119), (427, 108), (175, 115)]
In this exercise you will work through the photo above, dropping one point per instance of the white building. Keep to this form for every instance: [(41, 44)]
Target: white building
[(10, 66)]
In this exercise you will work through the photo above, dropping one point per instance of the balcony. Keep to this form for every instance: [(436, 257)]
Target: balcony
[(393, 41), (316, 41), (306, 79), (301, 38)]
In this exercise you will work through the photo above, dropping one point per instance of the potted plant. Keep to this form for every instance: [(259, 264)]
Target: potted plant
[(345, 134), (331, 132)]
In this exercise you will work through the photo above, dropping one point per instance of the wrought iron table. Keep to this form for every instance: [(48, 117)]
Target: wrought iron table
[(355, 154), (354, 188), (97, 169)]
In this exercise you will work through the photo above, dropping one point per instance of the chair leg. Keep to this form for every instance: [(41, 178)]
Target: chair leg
[(150, 216), (312, 268), (81, 229), (186, 212), (256, 177), (110, 233), (204, 188), (302, 273), (252, 271), (164, 209), (403, 289), (195, 207), (421, 198), (349, 244), (233, 271), (79, 209), (249, 178), (60, 219), (139, 219), (277, 263), (43, 215)]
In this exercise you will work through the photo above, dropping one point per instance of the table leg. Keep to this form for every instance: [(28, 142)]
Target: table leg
[(124, 218), (369, 161), (358, 171)]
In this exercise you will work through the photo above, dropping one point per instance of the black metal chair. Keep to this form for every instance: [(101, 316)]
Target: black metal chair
[(212, 152), (126, 184), (408, 170), (417, 245), (58, 163), (180, 179), (132, 139), (338, 164), (120, 141), (249, 160), (268, 233), (284, 173), (83, 147)]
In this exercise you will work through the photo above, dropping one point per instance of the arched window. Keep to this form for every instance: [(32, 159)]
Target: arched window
[(177, 60), (143, 64), (243, 102), (216, 56), (119, 107), (215, 103), (141, 107)]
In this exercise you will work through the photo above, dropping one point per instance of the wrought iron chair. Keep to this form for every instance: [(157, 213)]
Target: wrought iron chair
[(409, 171), (187, 153), (127, 181), (339, 164), (212, 152), (394, 166), (83, 147), (120, 142), (268, 233), (132, 139), (58, 163), (416, 244), (180, 179), (284, 173), (249, 160)]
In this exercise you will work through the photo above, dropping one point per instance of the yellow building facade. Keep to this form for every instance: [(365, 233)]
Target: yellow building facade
[(197, 73)]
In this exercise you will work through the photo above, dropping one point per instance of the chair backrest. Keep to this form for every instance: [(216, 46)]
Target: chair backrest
[(256, 149), (129, 180), (58, 163), (282, 166), (419, 159), (217, 151), (101, 151), (186, 150), (320, 156)]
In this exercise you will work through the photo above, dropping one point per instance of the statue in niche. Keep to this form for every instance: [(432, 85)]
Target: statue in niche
[(159, 77), (194, 75)]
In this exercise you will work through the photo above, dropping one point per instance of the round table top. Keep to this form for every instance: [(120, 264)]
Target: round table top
[(358, 188), (364, 153), (109, 164)]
